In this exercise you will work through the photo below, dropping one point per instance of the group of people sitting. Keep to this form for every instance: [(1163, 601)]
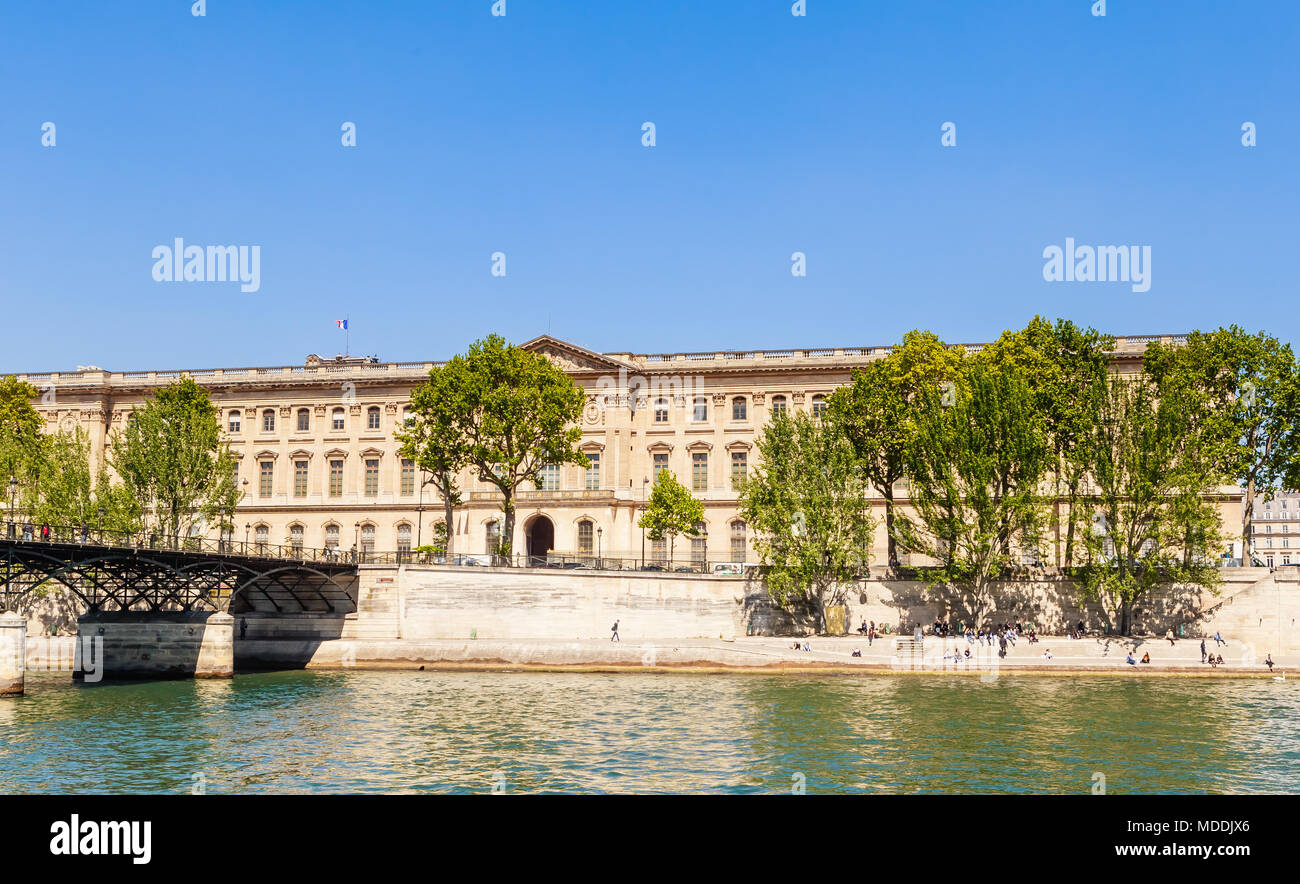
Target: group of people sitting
[(802, 647)]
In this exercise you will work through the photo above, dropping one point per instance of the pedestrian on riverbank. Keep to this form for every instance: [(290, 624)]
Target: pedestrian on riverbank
[(1202, 650), (614, 630)]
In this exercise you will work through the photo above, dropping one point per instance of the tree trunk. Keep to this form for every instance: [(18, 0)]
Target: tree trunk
[(449, 513), (1125, 617), (508, 528), (1248, 520), (889, 525)]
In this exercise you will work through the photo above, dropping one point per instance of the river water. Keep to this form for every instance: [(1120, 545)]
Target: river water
[(413, 732)]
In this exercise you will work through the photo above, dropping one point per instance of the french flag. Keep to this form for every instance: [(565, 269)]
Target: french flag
[(341, 323)]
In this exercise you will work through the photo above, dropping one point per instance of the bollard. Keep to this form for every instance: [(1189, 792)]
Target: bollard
[(13, 653)]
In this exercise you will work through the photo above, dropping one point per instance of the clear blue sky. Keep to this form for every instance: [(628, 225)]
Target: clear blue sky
[(522, 134)]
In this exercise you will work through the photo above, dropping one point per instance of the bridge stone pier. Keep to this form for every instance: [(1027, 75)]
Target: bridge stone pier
[(156, 645), (13, 654)]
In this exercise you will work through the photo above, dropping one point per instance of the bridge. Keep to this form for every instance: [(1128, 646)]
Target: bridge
[(161, 607)]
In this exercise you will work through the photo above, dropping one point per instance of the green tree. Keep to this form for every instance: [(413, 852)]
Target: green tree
[(20, 437), (671, 510), (515, 412), (172, 460), (978, 459), (437, 444), (69, 495), (1069, 366), (1241, 393), (1152, 522), (875, 411), (807, 502)]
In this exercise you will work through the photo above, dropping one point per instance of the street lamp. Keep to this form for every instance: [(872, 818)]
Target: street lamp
[(599, 536), (356, 542), (247, 526), (13, 493)]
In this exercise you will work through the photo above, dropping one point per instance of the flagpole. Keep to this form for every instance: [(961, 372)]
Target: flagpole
[(347, 336)]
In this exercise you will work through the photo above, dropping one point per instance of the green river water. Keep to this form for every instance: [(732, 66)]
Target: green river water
[(412, 732)]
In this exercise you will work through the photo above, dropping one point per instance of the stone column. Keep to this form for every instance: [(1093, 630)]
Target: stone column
[(216, 657), (13, 653)]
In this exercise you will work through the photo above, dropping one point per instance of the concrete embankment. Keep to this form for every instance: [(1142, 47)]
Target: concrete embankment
[(1104, 656)]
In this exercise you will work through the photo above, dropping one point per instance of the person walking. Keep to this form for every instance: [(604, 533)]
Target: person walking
[(28, 531), (243, 627), (85, 532), (45, 532), (614, 630), (1202, 650)]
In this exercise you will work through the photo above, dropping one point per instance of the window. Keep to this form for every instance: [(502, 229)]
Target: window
[(738, 541), (493, 537), (593, 471), (818, 405), (263, 535), (304, 420), (739, 468), (1270, 561), (1286, 560), (300, 478), (367, 540), (699, 471), (337, 420), (660, 464), (404, 539), (778, 405), (701, 412), (738, 410), (661, 411), (232, 424), (266, 470), (372, 477), (268, 420), (700, 545), (332, 537), (372, 417), (549, 478), (295, 539), (336, 478), (586, 537), (408, 419), (408, 476), (659, 552)]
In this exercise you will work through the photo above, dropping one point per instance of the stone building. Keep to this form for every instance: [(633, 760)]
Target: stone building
[(1275, 529), (320, 467)]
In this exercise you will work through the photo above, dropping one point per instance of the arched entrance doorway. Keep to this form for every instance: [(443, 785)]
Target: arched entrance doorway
[(539, 536)]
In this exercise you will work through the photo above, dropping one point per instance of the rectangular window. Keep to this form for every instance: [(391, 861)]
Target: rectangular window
[(408, 476), (233, 426), (699, 549), (661, 411), (336, 478), (660, 464), (659, 551), (593, 472), (337, 421), (265, 472), (699, 471), (739, 468), (549, 477), (268, 421), (586, 542), (300, 478), (372, 477), (738, 410), (738, 541)]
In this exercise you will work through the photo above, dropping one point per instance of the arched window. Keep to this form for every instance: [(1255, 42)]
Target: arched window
[(337, 420), (701, 412), (778, 405), (295, 539), (233, 421), (372, 417), (404, 539), (738, 409), (738, 540), (367, 540), (332, 538), (818, 405), (268, 420), (586, 537), (263, 535), (304, 420), (700, 546), (493, 537)]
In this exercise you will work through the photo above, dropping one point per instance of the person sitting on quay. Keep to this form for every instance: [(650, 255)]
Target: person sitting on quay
[(1130, 661), (1219, 659), (1268, 661), (1169, 634), (1146, 658), (857, 652), (806, 646), (862, 630), (1218, 640), (1214, 661), (1047, 655), (1033, 637)]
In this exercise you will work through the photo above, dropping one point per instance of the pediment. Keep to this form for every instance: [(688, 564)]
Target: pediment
[(571, 357)]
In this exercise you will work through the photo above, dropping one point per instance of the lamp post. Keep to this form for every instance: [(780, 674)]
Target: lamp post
[(247, 526), (356, 542), (13, 493), (600, 532)]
